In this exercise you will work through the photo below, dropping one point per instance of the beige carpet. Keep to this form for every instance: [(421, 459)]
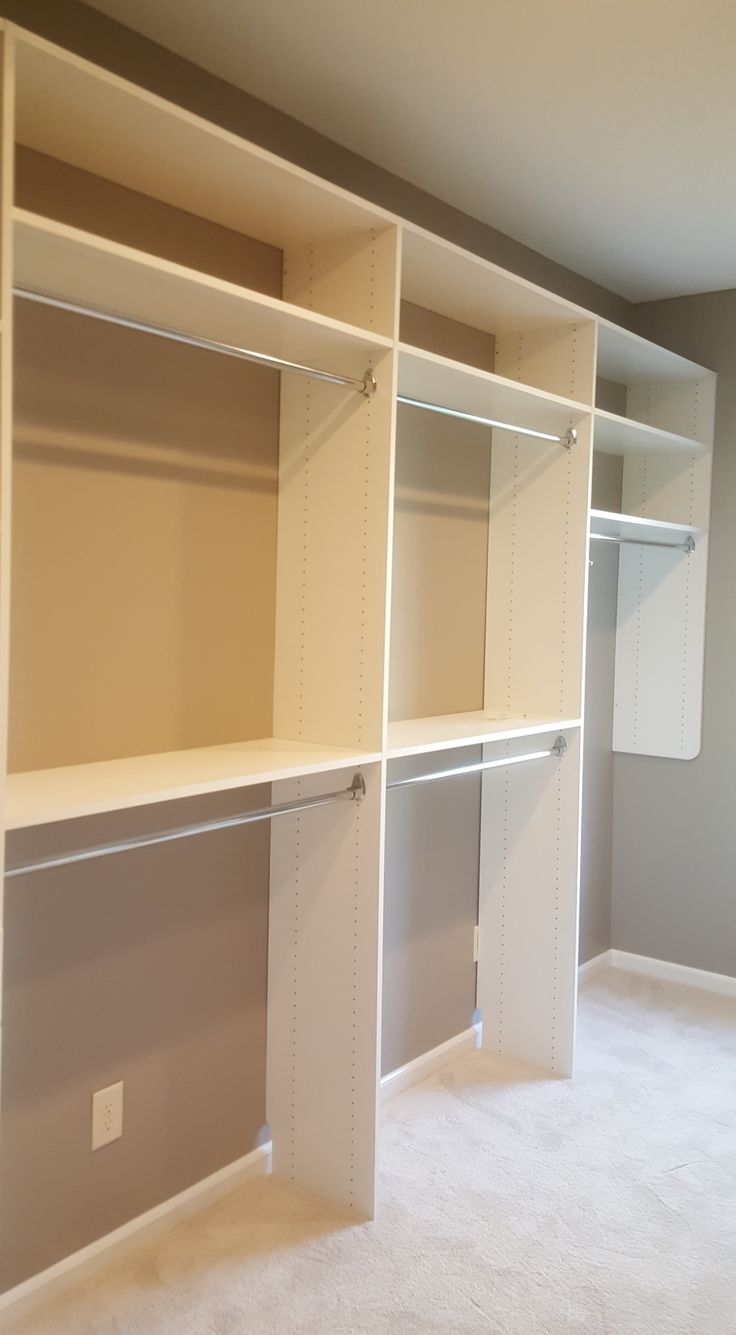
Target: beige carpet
[(510, 1204)]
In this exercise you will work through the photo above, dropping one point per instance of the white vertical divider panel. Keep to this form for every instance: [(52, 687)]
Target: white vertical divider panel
[(528, 906), (555, 358), (324, 991), (7, 147), (536, 575), (325, 927), (660, 640), (334, 461), (351, 279)]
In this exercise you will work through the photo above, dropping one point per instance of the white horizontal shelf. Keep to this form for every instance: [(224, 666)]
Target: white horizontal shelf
[(76, 266), (435, 379), (613, 525), (441, 276), (86, 116), (415, 737), (622, 435), (37, 797), (629, 359)]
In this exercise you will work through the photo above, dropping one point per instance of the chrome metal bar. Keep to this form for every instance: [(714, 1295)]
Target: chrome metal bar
[(568, 440), (366, 386), (687, 546), (558, 750), (354, 793)]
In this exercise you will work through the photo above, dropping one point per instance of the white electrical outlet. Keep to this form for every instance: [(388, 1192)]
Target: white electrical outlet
[(107, 1115)]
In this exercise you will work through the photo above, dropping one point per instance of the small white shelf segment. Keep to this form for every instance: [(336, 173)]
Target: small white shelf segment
[(434, 379), (79, 267), (414, 737), (37, 797), (628, 359), (613, 525), (623, 435)]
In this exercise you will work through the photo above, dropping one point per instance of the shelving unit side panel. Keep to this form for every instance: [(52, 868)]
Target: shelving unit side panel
[(686, 407), (528, 907), (352, 278), (557, 358), (660, 642), (537, 576), (324, 992), (7, 149), (332, 565), (674, 487)]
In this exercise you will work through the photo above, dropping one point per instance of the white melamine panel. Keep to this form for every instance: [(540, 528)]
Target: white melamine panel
[(659, 651), (38, 797), (440, 276), (324, 993), (528, 907), (622, 435), (7, 76), (69, 109), (632, 527), (537, 576), (413, 737), (353, 278), (682, 406), (64, 262), (332, 567), (434, 379), (559, 359), (628, 359)]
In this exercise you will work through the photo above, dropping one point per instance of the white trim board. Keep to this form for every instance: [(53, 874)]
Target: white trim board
[(422, 1067), (40, 1289), (665, 970)]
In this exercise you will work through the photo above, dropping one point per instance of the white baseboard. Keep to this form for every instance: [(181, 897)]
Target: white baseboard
[(52, 1283), (597, 965), (429, 1062), (673, 973)]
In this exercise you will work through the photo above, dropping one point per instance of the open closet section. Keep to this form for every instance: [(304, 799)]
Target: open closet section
[(651, 499), (493, 438), (295, 516)]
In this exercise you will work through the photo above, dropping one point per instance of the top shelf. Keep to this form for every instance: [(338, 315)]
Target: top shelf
[(628, 359), (441, 277), (623, 435), (85, 116)]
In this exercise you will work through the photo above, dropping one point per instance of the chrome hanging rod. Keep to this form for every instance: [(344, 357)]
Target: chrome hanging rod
[(366, 386), (558, 750), (568, 440), (354, 793), (687, 546)]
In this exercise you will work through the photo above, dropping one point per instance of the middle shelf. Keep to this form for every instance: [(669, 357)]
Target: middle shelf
[(635, 528), (413, 737)]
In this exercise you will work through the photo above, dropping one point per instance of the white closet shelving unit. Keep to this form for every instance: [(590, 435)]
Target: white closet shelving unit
[(664, 436), (359, 583)]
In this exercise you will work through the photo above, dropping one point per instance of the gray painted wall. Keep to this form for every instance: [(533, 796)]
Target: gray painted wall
[(675, 821)]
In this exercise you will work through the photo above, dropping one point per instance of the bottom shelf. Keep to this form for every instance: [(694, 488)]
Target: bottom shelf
[(413, 737), (38, 797)]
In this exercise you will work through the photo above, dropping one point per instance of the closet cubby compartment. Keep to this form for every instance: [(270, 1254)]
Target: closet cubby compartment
[(516, 331), (337, 254)]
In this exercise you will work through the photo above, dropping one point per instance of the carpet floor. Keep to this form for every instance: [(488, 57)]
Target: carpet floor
[(511, 1204)]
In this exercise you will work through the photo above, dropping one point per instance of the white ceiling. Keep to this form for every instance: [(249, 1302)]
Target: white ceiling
[(600, 132)]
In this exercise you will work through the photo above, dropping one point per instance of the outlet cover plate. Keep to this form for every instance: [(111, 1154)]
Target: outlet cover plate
[(107, 1115)]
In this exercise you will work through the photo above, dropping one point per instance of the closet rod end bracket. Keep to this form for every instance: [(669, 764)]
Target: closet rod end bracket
[(560, 747), (570, 438), (370, 384), (357, 788), (689, 544)]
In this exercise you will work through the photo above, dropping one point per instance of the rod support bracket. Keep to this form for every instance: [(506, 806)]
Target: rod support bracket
[(689, 544), (560, 747), (570, 438), (357, 787), (370, 384)]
